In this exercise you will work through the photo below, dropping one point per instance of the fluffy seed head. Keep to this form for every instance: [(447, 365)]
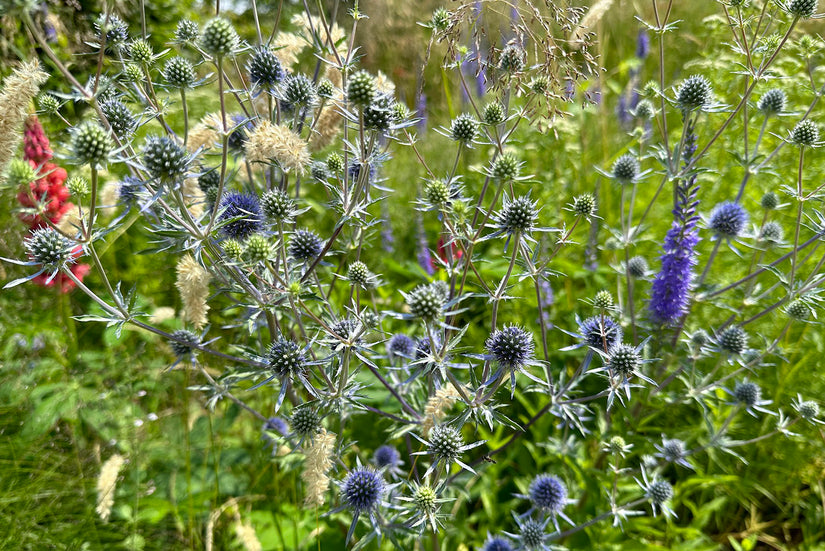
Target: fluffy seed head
[(772, 102), (769, 201), (120, 117), (246, 212), (694, 93), (660, 491), (182, 342), (361, 89), (802, 8), (305, 245), (298, 90), (257, 248), (164, 158), (386, 456), (91, 144), (48, 247), (286, 358), (747, 393), (277, 142), (219, 37), (624, 359), (305, 421), (548, 493), (511, 347), (276, 205), (362, 489), (179, 72), (805, 133), (637, 266), (186, 31), (464, 128), (505, 167), (600, 330), (445, 443), (426, 302), (728, 219), (584, 205), (798, 310), (493, 113), (733, 340), (265, 68), (626, 168)]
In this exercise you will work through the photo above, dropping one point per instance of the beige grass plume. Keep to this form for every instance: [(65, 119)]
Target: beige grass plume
[(437, 406), (106, 485), (206, 133), (590, 19), (317, 464), (19, 89), (271, 142), (247, 536), (287, 47), (193, 285), (194, 197)]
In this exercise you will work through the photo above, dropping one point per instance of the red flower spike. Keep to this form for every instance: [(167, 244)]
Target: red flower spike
[(35, 143)]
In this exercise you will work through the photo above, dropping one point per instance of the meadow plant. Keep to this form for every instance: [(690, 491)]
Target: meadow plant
[(261, 165)]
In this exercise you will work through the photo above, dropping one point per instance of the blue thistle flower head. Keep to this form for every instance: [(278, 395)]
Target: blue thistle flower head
[(237, 139), (512, 347), (497, 543), (548, 493), (599, 331), (276, 424), (728, 219), (129, 189), (532, 534), (386, 456), (362, 489), (246, 209), (305, 245), (355, 171), (401, 345)]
